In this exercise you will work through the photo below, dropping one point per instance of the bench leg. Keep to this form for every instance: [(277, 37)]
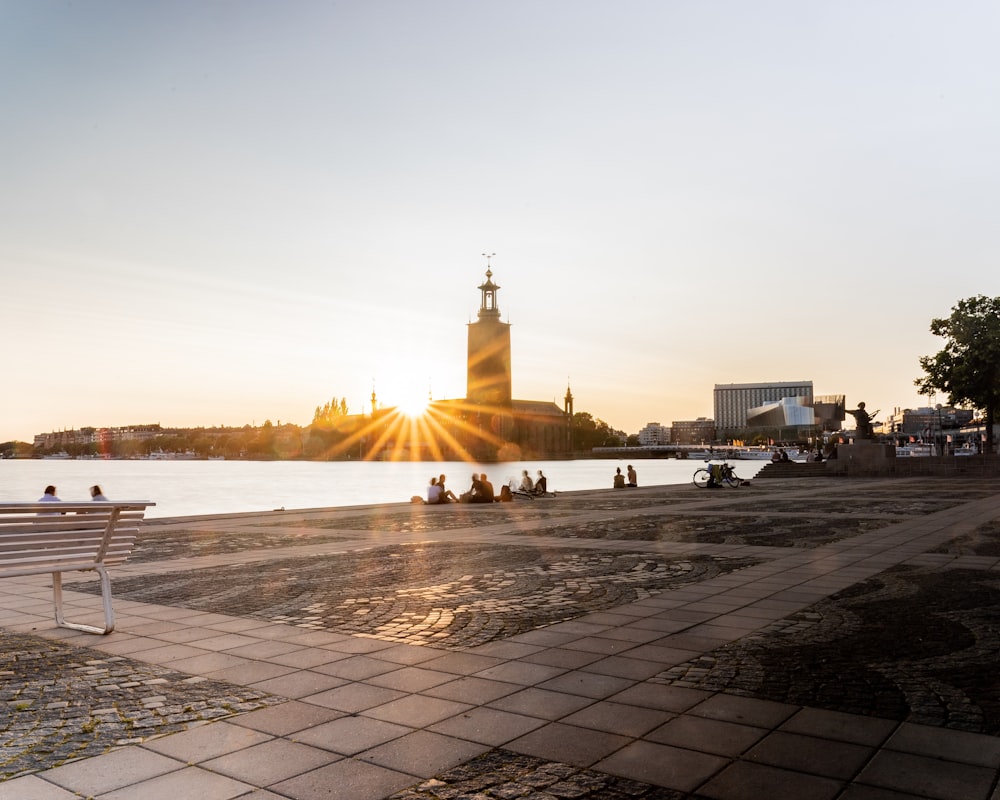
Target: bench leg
[(109, 614)]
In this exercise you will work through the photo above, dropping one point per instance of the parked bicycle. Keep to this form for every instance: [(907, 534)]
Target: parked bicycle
[(716, 475)]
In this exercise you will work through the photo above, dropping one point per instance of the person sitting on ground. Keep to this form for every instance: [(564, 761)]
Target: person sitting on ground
[(433, 492), (527, 485), (466, 497), (96, 494), (619, 479), (541, 484), (632, 476), (482, 491), (447, 495), (784, 455)]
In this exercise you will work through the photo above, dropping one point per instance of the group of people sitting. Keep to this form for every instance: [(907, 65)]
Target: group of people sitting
[(50, 495), (481, 490), (537, 487), (619, 479), (438, 493)]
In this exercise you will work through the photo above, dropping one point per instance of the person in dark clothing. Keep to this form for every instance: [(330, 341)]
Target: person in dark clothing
[(482, 491), (541, 484)]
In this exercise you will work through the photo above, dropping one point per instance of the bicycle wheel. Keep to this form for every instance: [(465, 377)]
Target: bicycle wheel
[(731, 480), (701, 478)]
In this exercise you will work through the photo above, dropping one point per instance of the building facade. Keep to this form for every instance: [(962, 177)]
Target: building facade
[(783, 413), (734, 400), (924, 422), (520, 428), (488, 424), (829, 411), (488, 381), (654, 433), (60, 440), (694, 431)]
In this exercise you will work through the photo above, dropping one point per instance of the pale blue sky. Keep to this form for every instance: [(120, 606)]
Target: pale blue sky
[(224, 212)]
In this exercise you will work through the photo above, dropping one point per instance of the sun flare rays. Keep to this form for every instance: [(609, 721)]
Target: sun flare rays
[(440, 431)]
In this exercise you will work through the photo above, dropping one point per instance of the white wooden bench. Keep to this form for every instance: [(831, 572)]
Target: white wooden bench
[(41, 538)]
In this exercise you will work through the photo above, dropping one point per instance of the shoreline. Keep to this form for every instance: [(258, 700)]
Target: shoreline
[(522, 502)]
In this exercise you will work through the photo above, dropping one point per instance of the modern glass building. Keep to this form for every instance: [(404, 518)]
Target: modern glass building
[(734, 400)]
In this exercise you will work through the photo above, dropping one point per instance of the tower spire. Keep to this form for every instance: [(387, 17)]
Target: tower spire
[(488, 306), (489, 379)]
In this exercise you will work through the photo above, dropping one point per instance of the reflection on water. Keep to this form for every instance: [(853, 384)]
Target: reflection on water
[(182, 488)]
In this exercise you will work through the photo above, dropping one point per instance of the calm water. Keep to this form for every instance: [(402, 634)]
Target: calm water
[(183, 488)]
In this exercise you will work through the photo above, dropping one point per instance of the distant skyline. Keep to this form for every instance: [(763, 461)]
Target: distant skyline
[(221, 213)]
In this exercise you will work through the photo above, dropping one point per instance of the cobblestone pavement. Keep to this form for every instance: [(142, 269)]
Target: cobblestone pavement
[(873, 505), (916, 642), (454, 516), (959, 490), (449, 595), (764, 530), (61, 702), (984, 541), (157, 545), (912, 643), (500, 774)]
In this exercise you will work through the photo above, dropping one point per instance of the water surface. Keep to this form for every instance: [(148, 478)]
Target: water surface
[(182, 488)]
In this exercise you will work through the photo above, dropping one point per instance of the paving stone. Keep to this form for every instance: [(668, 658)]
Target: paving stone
[(444, 595), (89, 718), (501, 774), (913, 643)]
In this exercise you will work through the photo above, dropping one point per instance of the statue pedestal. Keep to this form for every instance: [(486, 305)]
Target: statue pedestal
[(863, 457)]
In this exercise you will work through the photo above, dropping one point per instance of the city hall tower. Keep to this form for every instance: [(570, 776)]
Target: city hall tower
[(489, 375)]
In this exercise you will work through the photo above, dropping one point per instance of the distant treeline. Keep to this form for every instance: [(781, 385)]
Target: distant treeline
[(324, 439)]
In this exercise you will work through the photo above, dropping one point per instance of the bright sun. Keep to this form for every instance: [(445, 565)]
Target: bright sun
[(414, 405)]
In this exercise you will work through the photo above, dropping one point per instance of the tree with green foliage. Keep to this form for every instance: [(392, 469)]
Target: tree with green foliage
[(588, 432), (15, 449), (327, 414), (967, 370)]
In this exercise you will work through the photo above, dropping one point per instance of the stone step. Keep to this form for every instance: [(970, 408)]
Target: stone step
[(794, 469)]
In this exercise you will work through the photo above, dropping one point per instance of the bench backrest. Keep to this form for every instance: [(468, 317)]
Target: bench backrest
[(50, 537)]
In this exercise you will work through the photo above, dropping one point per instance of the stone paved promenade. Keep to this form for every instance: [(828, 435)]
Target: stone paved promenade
[(813, 639)]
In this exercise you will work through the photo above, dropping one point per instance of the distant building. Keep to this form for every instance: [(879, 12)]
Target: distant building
[(829, 411), (520, 427), (784, 413), (487, 424), (488, 376), (923, 423), (696, 431), (60, 440), (734, 400), (654, 433)]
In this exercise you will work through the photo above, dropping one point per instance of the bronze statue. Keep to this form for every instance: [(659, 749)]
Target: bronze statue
[(863, 421)]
